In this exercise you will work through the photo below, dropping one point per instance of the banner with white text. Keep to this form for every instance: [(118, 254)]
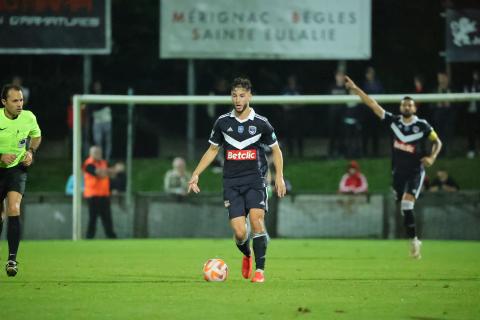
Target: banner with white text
[(55, 27), (267, 29)]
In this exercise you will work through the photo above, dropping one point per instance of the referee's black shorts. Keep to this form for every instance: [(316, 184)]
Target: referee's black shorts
[(12, 179), (408, 182)]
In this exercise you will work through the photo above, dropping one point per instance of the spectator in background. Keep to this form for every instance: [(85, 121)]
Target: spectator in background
[(335, 118), (221, 88), (352, 129), (118, 178), (293, 114), (353, 181), (370, 124), (70, 184), (443, 114), (419, 88), (443, 182), (473, 116), (97, 192), (102, 123), (176, 179), (18, 81)]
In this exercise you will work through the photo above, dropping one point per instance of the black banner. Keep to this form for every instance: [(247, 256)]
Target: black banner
[(463, 35), (55, 26)]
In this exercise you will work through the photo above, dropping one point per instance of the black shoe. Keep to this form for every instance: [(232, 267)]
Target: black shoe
[(11, 268)]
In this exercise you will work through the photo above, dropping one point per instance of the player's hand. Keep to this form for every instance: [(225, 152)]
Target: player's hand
[(427, 161), (193, 184), (349, 84), (28, 159), (8, 158), (280, 187)]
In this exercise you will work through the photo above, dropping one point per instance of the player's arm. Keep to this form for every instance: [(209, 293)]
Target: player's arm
[(371, 103), (34, 144), (206, 160), (278, 163), (436, 147)]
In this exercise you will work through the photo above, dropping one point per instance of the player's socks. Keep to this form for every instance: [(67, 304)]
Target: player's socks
[(409, 222), (244, 246), (13, 236), (260, 249)]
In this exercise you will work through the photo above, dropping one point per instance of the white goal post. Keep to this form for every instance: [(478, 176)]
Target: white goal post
[(313, 100)]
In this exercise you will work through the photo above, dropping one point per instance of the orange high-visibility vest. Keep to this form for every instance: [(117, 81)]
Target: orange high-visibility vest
[(95, 186)]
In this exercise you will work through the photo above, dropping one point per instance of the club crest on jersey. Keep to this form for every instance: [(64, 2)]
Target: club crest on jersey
[(252, 130), (415, 129), (240, 129)]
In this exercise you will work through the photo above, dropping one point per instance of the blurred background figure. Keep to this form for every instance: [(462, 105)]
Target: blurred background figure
[(176, 179), (352, 130), (293, 136), (419, 88), (370, 124), (473, 116), (102, 123), (443, 182), (18, 81), (335, 118), (443, 115), (353, 181)]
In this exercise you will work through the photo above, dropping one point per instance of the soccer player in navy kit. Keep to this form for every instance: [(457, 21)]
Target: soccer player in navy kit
[(242, 133), (409, 155)]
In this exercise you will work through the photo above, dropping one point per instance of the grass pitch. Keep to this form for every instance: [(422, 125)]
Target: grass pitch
[(305, 279)]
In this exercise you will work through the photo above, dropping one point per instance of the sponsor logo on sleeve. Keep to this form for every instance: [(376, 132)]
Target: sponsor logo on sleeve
[(404, 146), (240, 155)]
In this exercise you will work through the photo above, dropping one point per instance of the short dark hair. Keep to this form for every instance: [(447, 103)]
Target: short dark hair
[(9, 87), (408, 98), (241, 83)]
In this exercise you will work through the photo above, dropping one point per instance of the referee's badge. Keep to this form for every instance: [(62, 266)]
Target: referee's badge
[(252, 130), (21, 143)]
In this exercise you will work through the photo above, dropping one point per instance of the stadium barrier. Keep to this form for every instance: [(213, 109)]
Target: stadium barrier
[(156, 215)]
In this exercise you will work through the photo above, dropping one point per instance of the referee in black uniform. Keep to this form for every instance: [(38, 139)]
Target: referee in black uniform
[(409, 155), (16, 154)]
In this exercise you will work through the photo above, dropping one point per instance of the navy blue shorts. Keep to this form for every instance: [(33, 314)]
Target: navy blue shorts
[(411, 183), (240, 199)]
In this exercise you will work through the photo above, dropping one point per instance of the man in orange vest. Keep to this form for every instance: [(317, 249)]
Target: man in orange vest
[(97, 192)]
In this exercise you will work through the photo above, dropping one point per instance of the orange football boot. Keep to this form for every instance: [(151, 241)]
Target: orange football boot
[(247, 267), (258, 277)]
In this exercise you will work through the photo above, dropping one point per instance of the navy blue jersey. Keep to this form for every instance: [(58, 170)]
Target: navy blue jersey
[(409, 142), (243, 143)]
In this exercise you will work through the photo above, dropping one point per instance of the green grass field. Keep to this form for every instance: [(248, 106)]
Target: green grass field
[(306, 279)]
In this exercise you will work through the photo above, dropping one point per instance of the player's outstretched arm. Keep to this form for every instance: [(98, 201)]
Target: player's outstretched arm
[(371, 103), (278, 163), (207, 158), (436, 147)]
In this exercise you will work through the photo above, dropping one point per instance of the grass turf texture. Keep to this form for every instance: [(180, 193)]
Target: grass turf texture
[(318, 176), (306, 279)]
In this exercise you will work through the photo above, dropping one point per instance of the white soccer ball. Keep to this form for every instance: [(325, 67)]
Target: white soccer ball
[(215, 270)]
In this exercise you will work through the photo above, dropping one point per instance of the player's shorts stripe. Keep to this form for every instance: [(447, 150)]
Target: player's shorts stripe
[(419, 187)]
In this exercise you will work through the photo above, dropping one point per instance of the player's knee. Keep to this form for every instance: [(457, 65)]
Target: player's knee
[(240, 232), (407, 205), (13, 209)]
